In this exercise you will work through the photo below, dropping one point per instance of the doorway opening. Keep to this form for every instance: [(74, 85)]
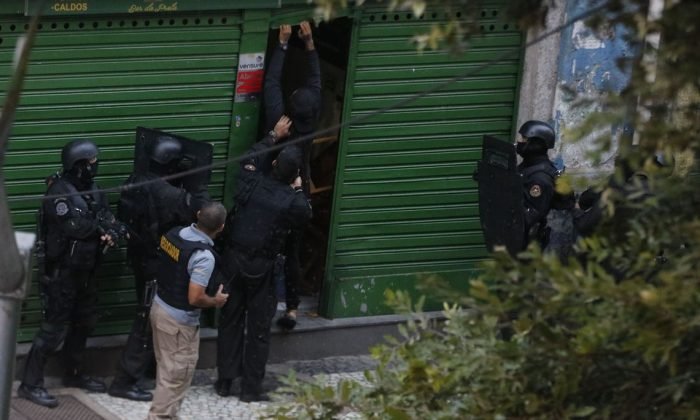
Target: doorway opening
[(332, 42)]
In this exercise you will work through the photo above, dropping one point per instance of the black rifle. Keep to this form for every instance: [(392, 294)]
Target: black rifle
[(108, 225)]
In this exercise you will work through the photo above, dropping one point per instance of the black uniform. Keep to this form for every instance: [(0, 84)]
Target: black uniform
[(68, 291), (307, 99), (150, 211), (305, 104), (539, 175), (266, 210)]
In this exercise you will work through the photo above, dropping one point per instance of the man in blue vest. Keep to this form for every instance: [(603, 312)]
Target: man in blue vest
[(186, 274)]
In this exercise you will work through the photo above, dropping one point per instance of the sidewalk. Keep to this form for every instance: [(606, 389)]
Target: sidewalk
[(201, 401)]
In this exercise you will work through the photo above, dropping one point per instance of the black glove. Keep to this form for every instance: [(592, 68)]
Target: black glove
[(108, 225)]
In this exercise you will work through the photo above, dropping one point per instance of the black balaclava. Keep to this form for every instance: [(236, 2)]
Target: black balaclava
[(303, 110), (82, 174), (169, 168), (531, 148)]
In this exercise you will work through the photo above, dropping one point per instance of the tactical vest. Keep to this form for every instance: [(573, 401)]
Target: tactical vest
[(57, 244), (555, 231), (173, 278), (559, 201), (545, 166), (260, 226)]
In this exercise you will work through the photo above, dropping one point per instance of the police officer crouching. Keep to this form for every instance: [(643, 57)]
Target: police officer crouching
[(76, 225), (267, 208), (538, 175)]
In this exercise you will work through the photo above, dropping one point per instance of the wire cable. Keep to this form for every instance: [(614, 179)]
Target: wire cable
[(471, 72)]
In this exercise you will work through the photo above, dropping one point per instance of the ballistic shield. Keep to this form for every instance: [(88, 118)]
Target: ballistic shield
[(193, 154), (501, 196)]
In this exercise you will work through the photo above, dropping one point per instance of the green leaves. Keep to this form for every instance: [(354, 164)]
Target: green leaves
[(612, 333)]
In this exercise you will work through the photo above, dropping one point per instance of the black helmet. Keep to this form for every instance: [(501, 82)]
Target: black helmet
[(534, 129), (165, 150), (77, 150)]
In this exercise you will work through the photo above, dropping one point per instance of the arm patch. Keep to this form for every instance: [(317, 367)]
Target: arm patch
[(62, 208)]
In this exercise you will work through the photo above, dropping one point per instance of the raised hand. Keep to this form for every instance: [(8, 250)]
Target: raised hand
[(306, 35), (285, 33), (282, 128)]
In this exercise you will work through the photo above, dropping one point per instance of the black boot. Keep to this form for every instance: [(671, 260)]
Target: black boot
[(130, 392), (248, 397), (223, 387), (37, 395), (84, 382)]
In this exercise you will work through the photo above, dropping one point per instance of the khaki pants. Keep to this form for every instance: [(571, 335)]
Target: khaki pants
[(176, 348)]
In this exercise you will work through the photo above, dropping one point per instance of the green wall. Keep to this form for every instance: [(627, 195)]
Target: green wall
[(405, 202)]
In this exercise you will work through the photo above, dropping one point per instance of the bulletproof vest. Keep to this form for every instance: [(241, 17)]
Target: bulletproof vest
[(56, 241), (556, 231), (559, 201), (173, 279), (260, 225), (544, 166)]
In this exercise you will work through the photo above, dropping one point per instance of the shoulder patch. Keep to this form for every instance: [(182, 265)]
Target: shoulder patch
[(535, 191), (61, 208)]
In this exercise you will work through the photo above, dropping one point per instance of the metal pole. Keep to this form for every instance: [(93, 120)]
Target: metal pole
[(10, 307)]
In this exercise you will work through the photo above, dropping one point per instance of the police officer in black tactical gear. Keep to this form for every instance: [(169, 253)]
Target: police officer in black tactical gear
[(267, 208), (77, 227), (150, 211), (539, 175)]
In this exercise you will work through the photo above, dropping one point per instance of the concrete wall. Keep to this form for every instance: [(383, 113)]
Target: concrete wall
[(577, 64), (539, 80), (588, 69)]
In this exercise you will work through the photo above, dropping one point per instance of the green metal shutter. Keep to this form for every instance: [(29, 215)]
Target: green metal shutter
[(405, 203), (100, 79)]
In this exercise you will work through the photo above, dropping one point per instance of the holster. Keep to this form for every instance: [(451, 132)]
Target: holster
[(149, 292), (50, 292)]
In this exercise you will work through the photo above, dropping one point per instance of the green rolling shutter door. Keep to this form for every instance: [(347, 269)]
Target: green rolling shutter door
[(405, 203), (100, 79)]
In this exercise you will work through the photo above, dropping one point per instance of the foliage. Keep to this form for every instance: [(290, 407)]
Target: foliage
[(612, 333), (454, 33)]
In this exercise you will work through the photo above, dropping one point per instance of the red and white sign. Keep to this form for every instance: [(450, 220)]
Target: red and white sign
[(249, 81)]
